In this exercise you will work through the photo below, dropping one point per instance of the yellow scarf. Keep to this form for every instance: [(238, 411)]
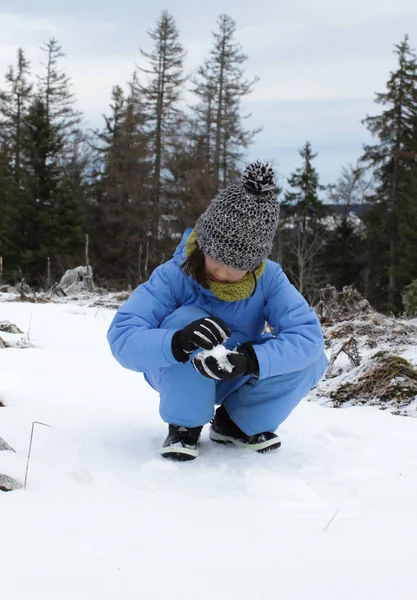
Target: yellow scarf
[(228, 292)]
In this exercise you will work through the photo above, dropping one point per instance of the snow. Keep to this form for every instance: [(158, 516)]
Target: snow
[(105, 518), (220, 353)]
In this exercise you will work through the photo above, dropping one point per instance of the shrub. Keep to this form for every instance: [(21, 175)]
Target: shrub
[(410, 299)]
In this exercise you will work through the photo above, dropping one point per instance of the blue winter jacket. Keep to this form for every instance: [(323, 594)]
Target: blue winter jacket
[(139, 343)]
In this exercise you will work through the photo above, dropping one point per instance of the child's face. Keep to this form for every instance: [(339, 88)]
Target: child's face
[(222, 273)]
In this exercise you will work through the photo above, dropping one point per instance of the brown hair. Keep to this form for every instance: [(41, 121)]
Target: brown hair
[(195, 266)]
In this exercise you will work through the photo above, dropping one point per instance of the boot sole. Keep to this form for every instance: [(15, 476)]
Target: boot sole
[(180, 454), (262, 447)]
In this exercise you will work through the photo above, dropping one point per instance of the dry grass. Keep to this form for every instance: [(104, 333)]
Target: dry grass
[(346, 315), (335, 307), (31, 299), (112, 301), (384, 379), (387, 380)]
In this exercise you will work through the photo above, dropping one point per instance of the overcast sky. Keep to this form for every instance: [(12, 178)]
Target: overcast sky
[(320, 62)]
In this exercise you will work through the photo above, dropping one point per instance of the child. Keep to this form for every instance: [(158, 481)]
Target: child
[(219, 288)]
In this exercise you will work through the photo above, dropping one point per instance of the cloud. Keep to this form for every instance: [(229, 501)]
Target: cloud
[(77, 36), (91, 62), (320, 63)]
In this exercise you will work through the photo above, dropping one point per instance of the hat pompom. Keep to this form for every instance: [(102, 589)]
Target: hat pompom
[(258, 178)]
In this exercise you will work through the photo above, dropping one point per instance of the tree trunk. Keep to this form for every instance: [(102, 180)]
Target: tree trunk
[(158, 151), (395, 201), (219, 116)]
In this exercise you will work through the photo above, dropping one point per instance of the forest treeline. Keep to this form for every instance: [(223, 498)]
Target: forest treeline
[(128, 190)]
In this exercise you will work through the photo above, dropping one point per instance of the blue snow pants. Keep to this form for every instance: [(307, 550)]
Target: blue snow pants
[(187, 398)]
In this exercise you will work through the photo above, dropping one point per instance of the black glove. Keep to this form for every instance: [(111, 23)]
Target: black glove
[(242, 362), (204, 333)]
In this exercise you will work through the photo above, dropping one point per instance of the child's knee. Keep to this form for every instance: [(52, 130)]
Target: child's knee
[(319, 368), (183, 316)]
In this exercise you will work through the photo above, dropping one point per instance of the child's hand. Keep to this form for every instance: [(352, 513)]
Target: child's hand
[(229, 366), (204, 333)]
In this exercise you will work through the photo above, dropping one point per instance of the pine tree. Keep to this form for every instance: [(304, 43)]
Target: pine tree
[(14, 103), (59, 124), (220, 84), (393, 218), (302, 229), (161, 96), (53, 204), (40, 179), (55, 89), (305, 181), (10, 224)]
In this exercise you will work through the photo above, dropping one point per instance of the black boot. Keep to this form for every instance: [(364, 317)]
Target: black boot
[(224, 431), (181, 442)]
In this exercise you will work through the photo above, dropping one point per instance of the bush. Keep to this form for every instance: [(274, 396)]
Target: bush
[(388, 381)]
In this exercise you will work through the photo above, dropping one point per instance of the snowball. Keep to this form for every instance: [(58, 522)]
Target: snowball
[(220, 353)]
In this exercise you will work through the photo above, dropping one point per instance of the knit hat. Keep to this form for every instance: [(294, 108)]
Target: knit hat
[(238, 227)]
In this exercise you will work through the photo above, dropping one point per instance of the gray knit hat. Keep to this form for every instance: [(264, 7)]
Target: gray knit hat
[(239, 225)]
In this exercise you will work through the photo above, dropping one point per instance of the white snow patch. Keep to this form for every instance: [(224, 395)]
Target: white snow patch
[(104, 517)]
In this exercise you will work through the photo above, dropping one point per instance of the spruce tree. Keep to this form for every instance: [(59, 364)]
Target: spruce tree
[(40, 179), (305, 182), (220, 84), (55, 89), (392, 222), (10, 222), (53, 206)]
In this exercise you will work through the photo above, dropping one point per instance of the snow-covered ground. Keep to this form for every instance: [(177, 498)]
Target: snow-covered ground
[(105, 518)]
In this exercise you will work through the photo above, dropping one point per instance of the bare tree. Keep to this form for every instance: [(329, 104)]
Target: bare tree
[(353, 187), (14, 104), (302, 229), (220, 84), (161, 96), (122, 191)]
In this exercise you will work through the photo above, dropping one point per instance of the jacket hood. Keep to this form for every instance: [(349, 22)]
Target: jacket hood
[(179, 254)]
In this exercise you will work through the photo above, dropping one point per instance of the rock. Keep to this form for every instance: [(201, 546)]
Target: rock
[(5, 446), (9, 327), (77, 280), (7, 484), (7, 289), (3, 344)]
